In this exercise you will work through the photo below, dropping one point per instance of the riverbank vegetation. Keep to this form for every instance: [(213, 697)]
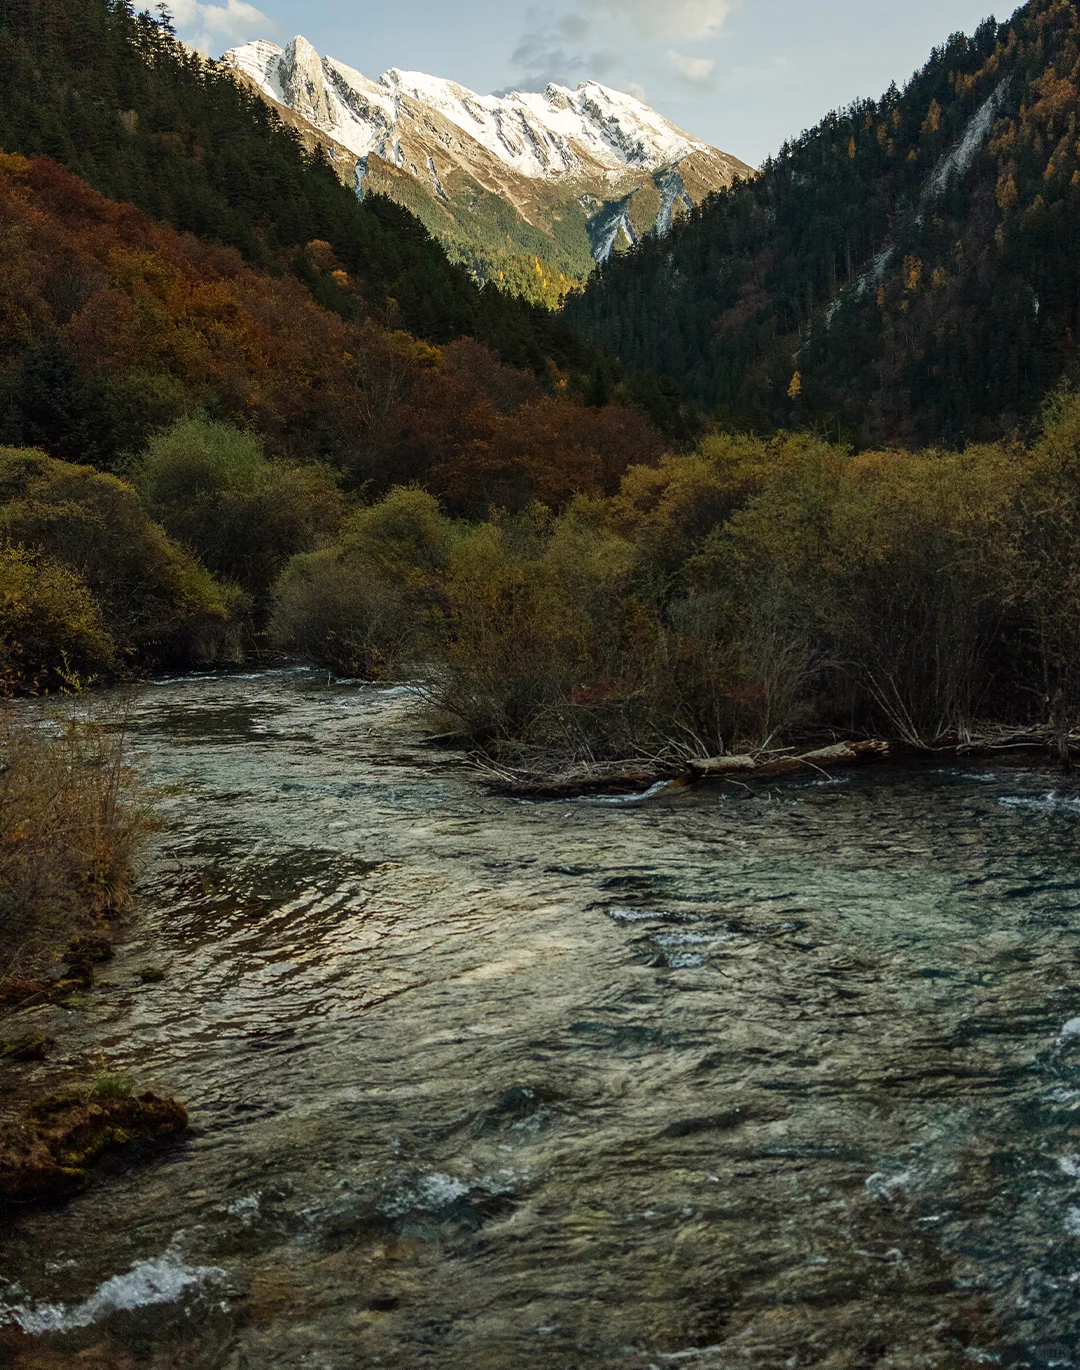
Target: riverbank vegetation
[(69, 829), (701, 604), (181, 425), (92, 586), (753, 590)]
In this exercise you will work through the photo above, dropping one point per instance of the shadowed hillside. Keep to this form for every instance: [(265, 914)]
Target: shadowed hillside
[(908, 270)]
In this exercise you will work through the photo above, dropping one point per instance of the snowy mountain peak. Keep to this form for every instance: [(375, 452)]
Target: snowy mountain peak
[(583, 172), (554, 133)]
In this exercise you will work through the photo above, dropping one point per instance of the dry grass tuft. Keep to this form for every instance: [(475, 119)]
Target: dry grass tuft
[(69, 827)]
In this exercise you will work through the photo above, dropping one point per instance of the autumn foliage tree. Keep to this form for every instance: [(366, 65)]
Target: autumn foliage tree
[(113, 327)]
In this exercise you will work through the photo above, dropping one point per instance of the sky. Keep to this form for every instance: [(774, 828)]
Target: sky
[(741, 74)]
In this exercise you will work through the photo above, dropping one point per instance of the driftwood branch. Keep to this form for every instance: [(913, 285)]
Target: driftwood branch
[(635, 778), (840, 754)]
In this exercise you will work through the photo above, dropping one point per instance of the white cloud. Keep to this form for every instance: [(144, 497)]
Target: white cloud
[(563, 46), (552, 49), (671, 19), (209, 26), (694, 71)]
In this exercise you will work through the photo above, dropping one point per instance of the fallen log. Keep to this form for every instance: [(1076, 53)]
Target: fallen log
[(455, 741), (840, 754), (633, 780), (638, 779), (824, 758), (721, 766)]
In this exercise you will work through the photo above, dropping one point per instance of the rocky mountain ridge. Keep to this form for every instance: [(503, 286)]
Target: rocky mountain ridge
[(529, 188)]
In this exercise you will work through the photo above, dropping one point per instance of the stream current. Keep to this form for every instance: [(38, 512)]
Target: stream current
[(784, 1077)]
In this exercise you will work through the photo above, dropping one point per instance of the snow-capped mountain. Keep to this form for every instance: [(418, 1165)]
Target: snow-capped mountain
[(583, 171)]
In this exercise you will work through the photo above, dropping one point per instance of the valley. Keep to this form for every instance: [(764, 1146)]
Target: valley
[(457, 552)]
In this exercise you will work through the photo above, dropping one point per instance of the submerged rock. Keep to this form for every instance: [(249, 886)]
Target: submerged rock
[(28, 991), (91, 948), (47, 1153), (83, 954), (31, 1047)]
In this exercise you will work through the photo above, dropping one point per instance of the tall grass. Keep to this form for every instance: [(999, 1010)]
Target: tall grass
[(69, 827)]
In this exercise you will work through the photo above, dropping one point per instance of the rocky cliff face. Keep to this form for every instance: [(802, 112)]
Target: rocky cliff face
[(530, 188)]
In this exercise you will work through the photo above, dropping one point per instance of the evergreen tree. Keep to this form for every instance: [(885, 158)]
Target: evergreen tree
[(916, 259), (60, 409), (115, 98)]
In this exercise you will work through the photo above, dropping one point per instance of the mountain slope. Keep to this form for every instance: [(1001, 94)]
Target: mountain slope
[(114, 326), (529, 188), (112, 96), (907, 271)]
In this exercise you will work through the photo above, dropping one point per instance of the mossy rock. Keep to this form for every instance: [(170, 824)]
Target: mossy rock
[(32, 1047), (90, 949), (21, 991), (79, 972), (47, 1154), (43, 991)]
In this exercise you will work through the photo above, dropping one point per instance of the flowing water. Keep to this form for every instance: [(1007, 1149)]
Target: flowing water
[(784, 1077)]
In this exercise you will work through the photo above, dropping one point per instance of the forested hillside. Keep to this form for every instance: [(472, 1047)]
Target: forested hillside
[(907, 271), (246, 414), (112, 96), (112, 327)]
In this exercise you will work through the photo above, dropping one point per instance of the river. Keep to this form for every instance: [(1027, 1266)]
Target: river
[(779, 1077)]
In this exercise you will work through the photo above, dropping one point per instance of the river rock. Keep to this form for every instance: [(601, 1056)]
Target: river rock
[(47, 1153)]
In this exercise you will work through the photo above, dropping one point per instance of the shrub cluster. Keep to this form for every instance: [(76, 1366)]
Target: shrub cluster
[(751, 589), (90, 584), (212, 488)]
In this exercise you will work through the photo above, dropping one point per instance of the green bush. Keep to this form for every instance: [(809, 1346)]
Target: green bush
[(212, 488), (1043, 564), (155, 600), (109, 1085), (886, 577), (51, 633), (360, 607), (329, 607)]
